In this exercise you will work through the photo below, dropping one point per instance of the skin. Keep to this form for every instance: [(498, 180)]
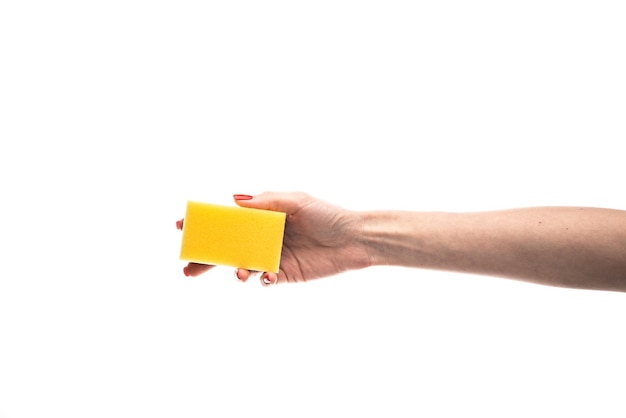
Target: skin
[(574, 247)]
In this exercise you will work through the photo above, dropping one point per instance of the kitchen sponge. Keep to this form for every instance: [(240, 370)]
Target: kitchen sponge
[(232, 236)]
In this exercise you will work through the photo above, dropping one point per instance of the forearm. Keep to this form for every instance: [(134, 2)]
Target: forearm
[(559, 246)]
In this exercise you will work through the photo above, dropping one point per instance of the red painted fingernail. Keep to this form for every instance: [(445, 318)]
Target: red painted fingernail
[(186, 272), (179, 224), (242, 197), (266, 279)]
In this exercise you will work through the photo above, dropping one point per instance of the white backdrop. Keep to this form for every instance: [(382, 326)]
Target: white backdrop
[(113, 114)]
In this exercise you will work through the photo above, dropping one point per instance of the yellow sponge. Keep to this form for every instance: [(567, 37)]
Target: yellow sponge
[(232, 236)]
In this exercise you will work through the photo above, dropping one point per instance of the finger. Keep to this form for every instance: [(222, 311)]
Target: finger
[(179, 224), (269, 279), (242, 274), (196, 269), (280, 202)]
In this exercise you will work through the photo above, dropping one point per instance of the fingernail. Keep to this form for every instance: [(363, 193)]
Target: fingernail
[(266, 279), (237, 274), (186, 271), (242, 197), (179, 224)]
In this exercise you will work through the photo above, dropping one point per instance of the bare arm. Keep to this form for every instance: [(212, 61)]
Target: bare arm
[(559, 246)]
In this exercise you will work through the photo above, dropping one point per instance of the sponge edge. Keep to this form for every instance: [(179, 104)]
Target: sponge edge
[(232, 236)]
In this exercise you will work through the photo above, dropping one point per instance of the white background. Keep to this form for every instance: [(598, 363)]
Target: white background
[(113, 114)]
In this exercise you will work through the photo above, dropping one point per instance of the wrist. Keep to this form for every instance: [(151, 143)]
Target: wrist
[(396, 237), (357, 240), (377, 236)]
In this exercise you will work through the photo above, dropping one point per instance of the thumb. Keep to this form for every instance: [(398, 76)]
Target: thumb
[(280, 202)]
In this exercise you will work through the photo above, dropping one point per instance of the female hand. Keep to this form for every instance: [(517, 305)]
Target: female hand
[(320, 239)]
